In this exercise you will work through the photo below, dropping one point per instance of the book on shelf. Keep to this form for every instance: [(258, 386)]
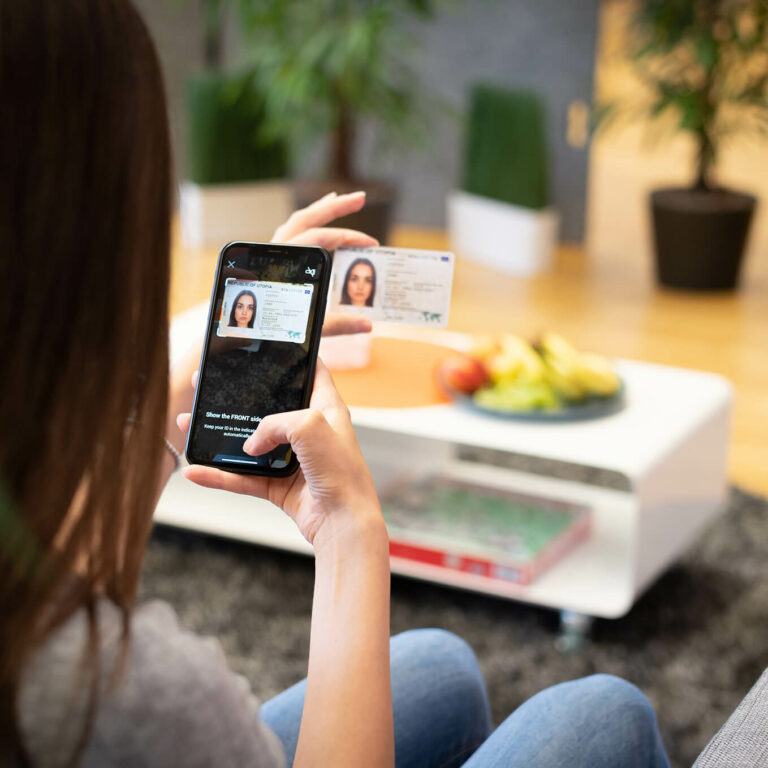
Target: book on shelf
[(491, 532)]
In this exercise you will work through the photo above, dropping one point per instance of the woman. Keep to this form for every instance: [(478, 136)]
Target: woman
[(359, 287), (85, 677), (243, 310)]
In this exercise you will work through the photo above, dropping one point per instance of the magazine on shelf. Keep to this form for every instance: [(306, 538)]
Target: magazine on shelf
[(491, 532)]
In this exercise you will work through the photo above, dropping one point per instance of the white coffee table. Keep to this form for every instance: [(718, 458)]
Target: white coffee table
[(663, 458)]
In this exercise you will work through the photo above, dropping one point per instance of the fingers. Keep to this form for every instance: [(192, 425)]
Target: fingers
[(324, 380), (182, 421), (305, 430), (195, 377), (337, 324), (332, 238), (326, 398), (322, 211), (209, 477)]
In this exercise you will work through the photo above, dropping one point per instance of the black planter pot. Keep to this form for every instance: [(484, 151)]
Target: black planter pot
[(374, 219), (700, 237)]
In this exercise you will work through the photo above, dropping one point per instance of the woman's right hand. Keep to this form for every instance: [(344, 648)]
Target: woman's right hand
[(332, 494)]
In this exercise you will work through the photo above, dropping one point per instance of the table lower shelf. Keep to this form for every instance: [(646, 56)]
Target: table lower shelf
[(595, 578)]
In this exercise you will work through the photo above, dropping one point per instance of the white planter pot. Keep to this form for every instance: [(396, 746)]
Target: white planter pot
[(520, 241), (214, 214)]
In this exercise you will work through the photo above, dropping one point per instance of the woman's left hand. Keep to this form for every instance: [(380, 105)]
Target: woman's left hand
[(307, 225)]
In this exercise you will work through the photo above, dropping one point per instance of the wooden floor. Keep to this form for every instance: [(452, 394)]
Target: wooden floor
[(612, 307)]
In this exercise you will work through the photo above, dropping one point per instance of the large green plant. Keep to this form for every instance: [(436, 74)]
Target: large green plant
[(322, 65), (706, 61), (226, 115), (505, 151), (224, 141)]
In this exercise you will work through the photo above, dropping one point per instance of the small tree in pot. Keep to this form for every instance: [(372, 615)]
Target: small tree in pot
[(707, 62), (235, 184), (323, 66)]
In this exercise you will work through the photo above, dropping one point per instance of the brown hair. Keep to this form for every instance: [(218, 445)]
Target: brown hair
[(85, 205)]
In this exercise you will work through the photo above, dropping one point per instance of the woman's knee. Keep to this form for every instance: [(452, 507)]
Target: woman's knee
[(440, 650), (596, 721), (603, 698), (444, 663), (611, 692), (438, 694), (435, 643)]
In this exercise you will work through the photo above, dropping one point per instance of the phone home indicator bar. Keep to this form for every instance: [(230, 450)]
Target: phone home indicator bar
[(258, 461), (242, 460)]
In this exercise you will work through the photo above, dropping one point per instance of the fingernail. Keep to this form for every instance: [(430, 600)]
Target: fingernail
[(249, 444), (359, 192)]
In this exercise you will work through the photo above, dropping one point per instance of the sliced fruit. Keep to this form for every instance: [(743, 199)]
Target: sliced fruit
[(597, 375), (531, 364), (520, 396), (504, 367), (563, 381), (485, 346), (556, 346)]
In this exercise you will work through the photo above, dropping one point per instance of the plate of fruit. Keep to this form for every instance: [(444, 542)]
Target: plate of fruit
[(547, 380)]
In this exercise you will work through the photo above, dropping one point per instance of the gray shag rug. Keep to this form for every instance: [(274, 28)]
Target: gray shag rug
[(695, 642)]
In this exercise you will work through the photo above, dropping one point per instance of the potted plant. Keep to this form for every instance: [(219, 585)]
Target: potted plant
[(501, 216), (236, 185), (704, 61), (324, 66)]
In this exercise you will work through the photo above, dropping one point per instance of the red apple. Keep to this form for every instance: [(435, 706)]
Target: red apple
[(461, 373)]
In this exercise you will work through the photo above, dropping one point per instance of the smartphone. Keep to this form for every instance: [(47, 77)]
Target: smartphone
[(260, 351)]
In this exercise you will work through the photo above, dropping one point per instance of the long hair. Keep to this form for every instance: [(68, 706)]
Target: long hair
[(345, 297), (85, 206), (232, 318)]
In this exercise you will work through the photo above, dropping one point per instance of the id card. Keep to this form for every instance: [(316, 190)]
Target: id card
[(260, 309), (398, 285)]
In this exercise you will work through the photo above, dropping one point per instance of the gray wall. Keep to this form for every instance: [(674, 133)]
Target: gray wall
[(548, 45)]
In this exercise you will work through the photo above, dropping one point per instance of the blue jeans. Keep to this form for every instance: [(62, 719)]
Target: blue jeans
[(442, 717)]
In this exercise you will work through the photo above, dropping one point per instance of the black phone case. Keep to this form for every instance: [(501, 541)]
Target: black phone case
[(322, 300)]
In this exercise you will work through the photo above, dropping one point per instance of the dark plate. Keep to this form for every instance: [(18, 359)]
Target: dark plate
[(591, 408)]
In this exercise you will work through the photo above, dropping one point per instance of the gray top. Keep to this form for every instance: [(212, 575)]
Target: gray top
[(743, 741), (177, 702)]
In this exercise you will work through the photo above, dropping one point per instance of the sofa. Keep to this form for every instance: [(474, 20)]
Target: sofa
[(743, 741)]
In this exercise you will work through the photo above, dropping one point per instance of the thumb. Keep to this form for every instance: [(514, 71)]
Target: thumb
[(306, 431), (338, 324)]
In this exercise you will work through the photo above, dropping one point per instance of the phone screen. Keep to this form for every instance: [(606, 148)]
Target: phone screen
[(263, 332)]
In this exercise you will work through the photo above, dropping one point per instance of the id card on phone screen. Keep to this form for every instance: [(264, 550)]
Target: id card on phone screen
[(398, 285), (261, 309)]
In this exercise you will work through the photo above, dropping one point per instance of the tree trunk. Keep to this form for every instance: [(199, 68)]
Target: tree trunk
[(212, 20), (343, 139), (704, 161)]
